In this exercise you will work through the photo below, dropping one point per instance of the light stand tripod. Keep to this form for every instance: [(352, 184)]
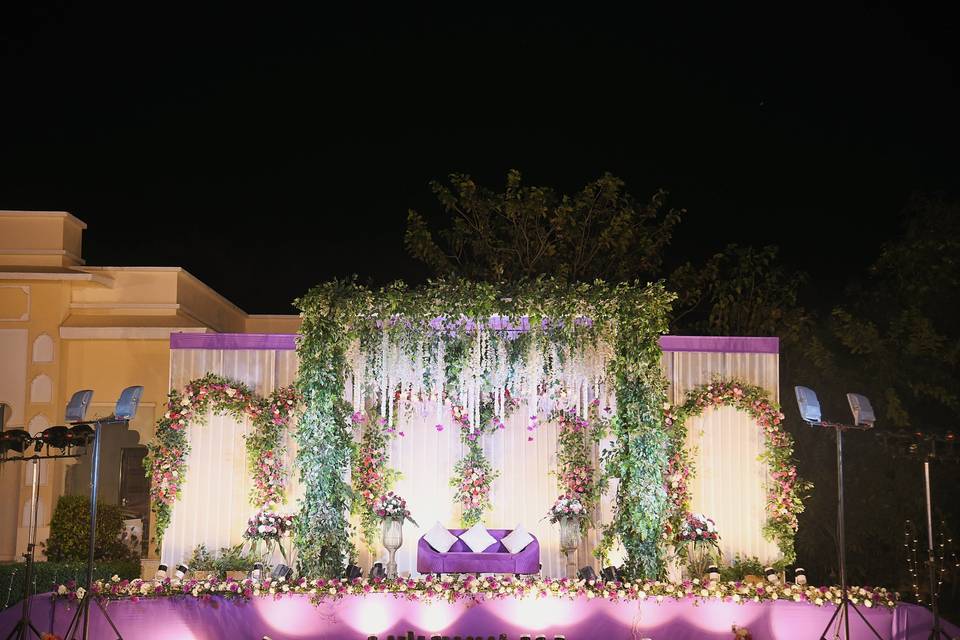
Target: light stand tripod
[(125, 410), (24, 626), (936, 632), (20, 441), (83, 609), (843, 609), (863, 418)]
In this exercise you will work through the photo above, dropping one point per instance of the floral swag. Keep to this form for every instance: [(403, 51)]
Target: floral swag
[(167, 454), (787, 490)]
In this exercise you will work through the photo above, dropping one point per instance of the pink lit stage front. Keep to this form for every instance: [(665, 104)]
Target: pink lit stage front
[(295, 617)]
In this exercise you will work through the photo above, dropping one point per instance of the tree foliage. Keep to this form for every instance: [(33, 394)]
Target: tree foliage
[(526, 231)]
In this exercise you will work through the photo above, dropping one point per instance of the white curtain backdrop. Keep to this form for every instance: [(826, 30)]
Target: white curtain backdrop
[(214, 505), (730, 485)]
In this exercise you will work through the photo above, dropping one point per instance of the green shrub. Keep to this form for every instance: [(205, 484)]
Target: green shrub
[(227, 559), (47, 575), (740, 567), (70, 532)]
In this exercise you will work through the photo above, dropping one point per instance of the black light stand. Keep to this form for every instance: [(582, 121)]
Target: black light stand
[(863, 416), (21, 441), (843, 610), (125, 410), (24, 626), (83, 609), (928, 453)]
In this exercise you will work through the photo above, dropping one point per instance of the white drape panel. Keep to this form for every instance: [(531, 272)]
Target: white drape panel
[(730, 485), (214, 506), (523, 492)]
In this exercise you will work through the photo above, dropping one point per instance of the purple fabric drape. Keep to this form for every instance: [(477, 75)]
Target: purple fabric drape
[(294, 617)]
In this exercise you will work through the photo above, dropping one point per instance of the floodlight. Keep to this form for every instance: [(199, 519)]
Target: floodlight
[(128, 403), (610, 574), (14, 440), (713, 573), (862, 410), (281, 572), (78, 405), (808, 404), (56, 437), (587, 573), (353, 571), (79, 435), (377, 571)]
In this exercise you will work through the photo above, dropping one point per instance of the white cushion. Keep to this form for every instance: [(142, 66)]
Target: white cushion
[(439, 538), (517, 540), (477, 538)]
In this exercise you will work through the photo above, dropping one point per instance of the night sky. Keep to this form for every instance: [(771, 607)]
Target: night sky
[(266, 151)]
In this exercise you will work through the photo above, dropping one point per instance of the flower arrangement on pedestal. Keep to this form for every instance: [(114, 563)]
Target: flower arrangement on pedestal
[(701, 537), (571, 514), (392, 509), (270, 528)]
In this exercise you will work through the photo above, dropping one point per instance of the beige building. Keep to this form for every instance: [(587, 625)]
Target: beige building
[(66, 326)]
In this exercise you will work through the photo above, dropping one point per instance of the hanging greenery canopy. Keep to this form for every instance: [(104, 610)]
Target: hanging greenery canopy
[(483, 350)]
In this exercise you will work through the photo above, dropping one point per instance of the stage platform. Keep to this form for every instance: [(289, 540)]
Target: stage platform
[(358, 617)]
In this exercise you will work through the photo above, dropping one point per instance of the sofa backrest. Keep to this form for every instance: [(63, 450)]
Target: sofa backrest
[(498, 547)]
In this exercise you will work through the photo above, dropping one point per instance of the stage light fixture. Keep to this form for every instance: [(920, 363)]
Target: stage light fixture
[(610, 574), (713, 573), (127, 404), (56, 437), (800, 576), (587, 573), (161, 573), (809, 405), (353, 572), (281, 572), (79, 435), (257, 572), (377, 571), (861, 409), (181, 571), (14, 440), (772, 576)]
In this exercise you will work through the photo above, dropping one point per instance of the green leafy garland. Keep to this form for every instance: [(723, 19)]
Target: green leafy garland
[(322, 532), (787, 490), (370, 476), (639, 456), (167, 453), (549, 316), (576, 438)]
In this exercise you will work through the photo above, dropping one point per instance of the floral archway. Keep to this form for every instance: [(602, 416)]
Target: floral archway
[(787, 489), (478, 350), (166, 460)]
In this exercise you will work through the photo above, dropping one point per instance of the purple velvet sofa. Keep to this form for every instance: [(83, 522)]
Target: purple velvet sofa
[(493, 559)]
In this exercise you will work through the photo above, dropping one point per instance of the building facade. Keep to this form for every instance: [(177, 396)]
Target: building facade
[(67, 326)]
